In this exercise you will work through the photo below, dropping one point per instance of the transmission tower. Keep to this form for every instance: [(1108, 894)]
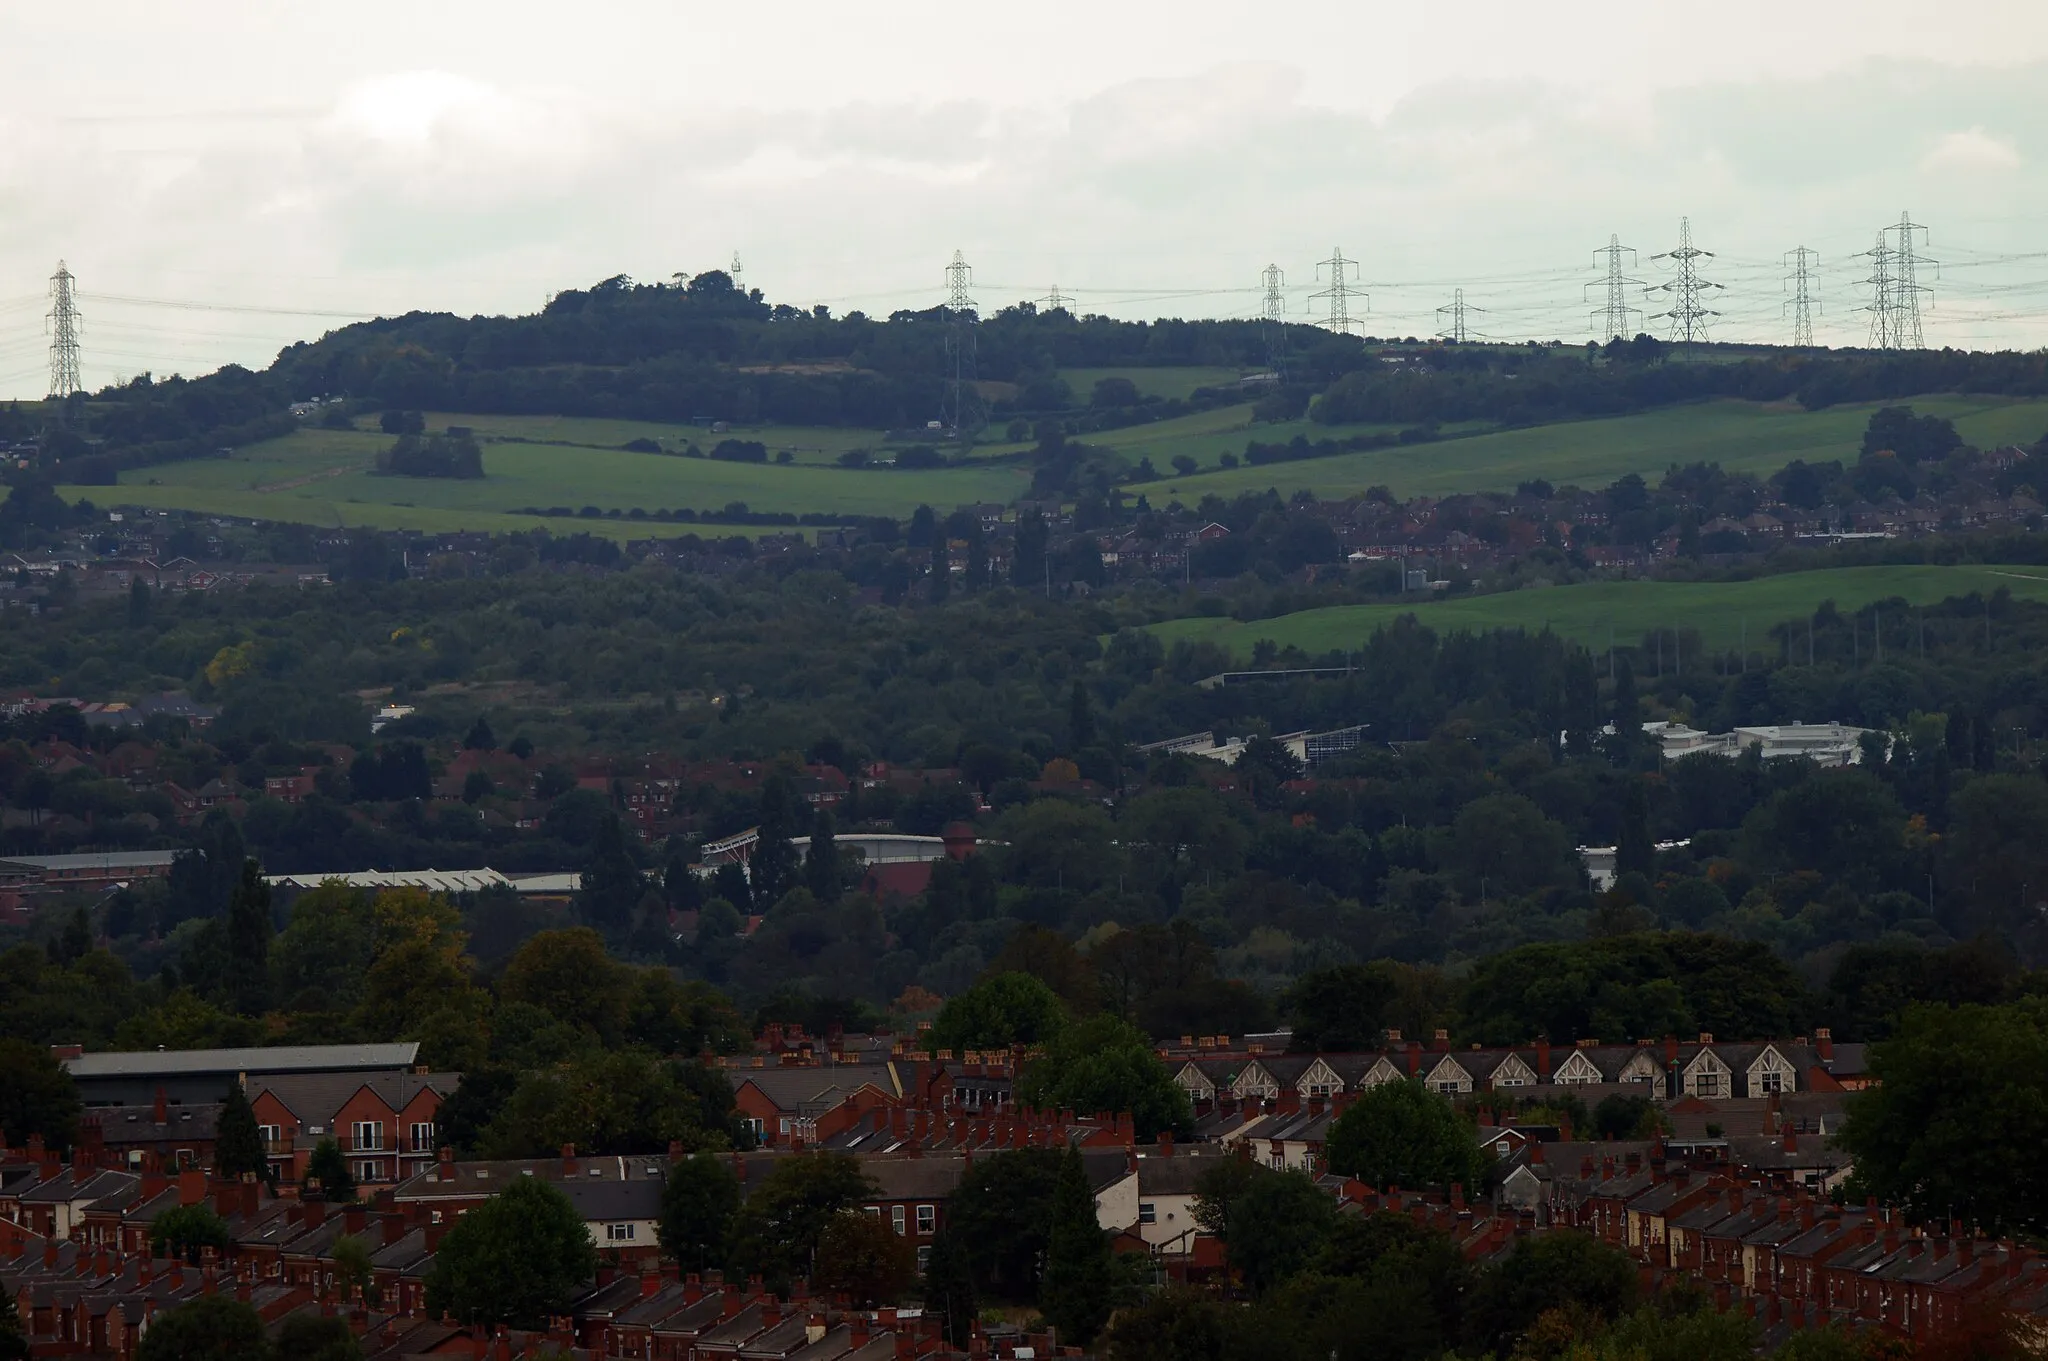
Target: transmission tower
[(739, 276), (1340, 292), (64, 379), (1611, 320), (962, 404), (1455, 329), (1883, 336), (1904, 281), (1689, 311), (1054, 301), (1273, 320), (1802, 262)]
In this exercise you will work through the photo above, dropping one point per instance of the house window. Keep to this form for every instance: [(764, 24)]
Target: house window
[(1511, 1082), (1772, 1081), (269, 1133), (1707, 1084), (620, 1233), (874, 1210), (423, 1136), (754, 1126), (437, 1217), (367, 1171), (1148, 1213), (1319, 1089), (896, 1218), (927, 1220), (366, 1135), (1448, 1088), (783, 1125), (924, 1258)]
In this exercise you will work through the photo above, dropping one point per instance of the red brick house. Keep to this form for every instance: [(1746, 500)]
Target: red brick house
[(385, 1123)]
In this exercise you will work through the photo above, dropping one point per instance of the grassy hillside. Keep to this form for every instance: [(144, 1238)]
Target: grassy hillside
[(322, 476), (1744, 436), (1719, 611)]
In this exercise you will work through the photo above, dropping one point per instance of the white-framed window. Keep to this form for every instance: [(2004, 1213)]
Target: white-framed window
[(874, 1210), (896, 1218), (437, 1217), (1319, 1089), (620, 1233), (927, 1220), (367, 1171), (1148, 1213), (366, 1136), (269, 1133), (1448, 1088), (755, 1126), (1511, 1082), (1706, 1084), (783, 1125), (1771, 1080), (422, 1136)]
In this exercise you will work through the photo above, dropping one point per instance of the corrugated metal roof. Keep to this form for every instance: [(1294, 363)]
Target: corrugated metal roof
[(433, 881), (95, 860), (285, 1058)]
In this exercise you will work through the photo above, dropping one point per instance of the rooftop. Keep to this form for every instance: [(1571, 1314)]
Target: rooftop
[(282, 1059)]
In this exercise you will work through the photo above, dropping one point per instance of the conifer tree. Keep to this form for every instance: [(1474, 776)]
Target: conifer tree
[(237, 1139), (1075, 1292)]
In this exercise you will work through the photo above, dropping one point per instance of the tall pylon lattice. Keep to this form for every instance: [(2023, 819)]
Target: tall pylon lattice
[(1895, 287), (738, 274), (1880, 305), (1452, 314), (1273, 319), (1688, 291), (1340, 292), (962, 402), (1611, 318), (64, 379), (1802, 262), (1054, 301)]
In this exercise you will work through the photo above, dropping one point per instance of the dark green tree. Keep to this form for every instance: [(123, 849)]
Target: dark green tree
[(183, 1230), (1077, 1289), (208, 1328), (1080, 718), (1107, 1064), (13, 1336), (249, 932), (821, 860), (999, 1011), (949, 1288), (1951, 1126), (139, 602), (1403, 1134), (36, 1095), (517, 1259), (773, 867), (1276, 1226), (778, 1228), (1027, 557), (313, 1337), (1558, 1270), (864, 1258), (480, 737), (942, 568), (999, 1216), (698, 1203), (612, 884), (1177, 1324), (1634, 852), (238, 1140), (328, 1166)]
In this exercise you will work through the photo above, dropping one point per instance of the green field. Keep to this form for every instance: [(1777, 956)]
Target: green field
[(1167, 384), (1722, 613), (1740, 436), (323, 477)]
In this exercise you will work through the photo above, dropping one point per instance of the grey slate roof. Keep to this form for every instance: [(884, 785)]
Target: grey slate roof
[(282, 1059)]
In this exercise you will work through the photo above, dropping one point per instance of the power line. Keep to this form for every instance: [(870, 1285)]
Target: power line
[(1611, 319), (1340, 292), (1689, 312), (224, 307), (1803, 261), (64, 379)]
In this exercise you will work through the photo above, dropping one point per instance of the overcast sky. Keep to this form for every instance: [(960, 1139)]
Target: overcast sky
[(1146, 158)]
